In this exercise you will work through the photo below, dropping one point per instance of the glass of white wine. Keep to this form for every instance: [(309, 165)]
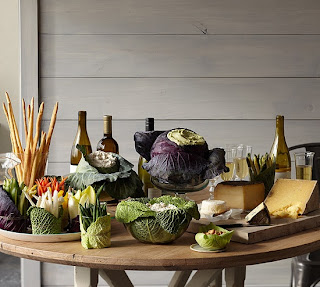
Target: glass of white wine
[(229, 156), (304, 163), (240, 161)]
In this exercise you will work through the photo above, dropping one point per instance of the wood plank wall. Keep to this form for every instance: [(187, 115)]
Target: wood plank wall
[(223, 68)]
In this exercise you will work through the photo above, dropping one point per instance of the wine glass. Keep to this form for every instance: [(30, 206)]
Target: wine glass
[(229, 156), (240, 161), (213, 182)]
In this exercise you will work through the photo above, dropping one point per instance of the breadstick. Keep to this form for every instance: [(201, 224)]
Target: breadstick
[(51, 127), (37, 160), (38, 126), (24, 119), (14, 124), (28, 155)]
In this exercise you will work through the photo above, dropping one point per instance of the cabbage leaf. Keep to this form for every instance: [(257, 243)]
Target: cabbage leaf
[(121, 184), (171, 220)]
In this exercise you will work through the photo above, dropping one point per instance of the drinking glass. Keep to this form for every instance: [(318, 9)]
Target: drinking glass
[(240, 162), (304, 163), (229, 156)]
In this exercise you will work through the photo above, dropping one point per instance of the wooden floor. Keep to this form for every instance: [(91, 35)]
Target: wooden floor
[(275, 274)]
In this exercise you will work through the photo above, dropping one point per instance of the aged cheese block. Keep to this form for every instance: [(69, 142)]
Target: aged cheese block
[(259, 215), (293, 197), (240, 194)]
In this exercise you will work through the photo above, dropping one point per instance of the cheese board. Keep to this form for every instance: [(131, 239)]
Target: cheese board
[(244, 233)]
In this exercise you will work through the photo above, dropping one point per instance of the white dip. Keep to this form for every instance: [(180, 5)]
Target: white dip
[(158, 207)]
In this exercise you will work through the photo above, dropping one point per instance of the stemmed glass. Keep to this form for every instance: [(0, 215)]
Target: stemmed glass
[(240, 161), (229, 156), (212, 185)]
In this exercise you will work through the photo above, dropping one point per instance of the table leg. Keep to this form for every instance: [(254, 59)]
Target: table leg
[(85, 277), (180, 278), (115, 278), (203, 278), (235, 276), (217, 282)]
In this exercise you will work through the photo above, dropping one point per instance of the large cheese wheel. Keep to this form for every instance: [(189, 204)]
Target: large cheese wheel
[(292, 197), (240, 194)]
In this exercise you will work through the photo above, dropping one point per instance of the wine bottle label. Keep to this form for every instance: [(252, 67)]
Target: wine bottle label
[(73, 168), (284, 174)]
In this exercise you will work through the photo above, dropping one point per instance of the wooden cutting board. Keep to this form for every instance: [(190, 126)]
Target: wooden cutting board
[(252, 234)]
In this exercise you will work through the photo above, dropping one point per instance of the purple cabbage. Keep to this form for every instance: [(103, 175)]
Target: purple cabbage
[(171, 163), (10, 217)]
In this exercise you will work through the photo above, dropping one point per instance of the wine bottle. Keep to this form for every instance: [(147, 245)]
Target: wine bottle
[(81, 139), (279, 151), (142, 173), (108, 143)]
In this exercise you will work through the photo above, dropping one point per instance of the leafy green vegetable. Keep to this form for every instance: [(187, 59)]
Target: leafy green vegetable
[(213, 241), (44, 222), (98, 234), (91, 212), (121, 184), (151, 226)]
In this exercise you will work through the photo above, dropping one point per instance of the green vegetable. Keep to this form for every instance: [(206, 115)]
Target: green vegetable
[(91, 212), (11, 186), (98, 233), (121, 184), (43, 222), (213, 241), (262, 169), (150, 226)]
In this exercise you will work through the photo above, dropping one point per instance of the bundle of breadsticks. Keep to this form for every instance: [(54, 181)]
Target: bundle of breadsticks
[(35, 154)]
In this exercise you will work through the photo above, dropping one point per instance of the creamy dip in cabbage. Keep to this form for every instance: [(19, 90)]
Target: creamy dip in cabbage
[(158, 207), (185, 137)]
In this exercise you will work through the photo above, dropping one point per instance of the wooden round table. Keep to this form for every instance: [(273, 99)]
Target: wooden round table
[(126, 253)]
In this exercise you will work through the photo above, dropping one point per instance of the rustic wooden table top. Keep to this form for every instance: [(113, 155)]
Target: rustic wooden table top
[(126, 253)]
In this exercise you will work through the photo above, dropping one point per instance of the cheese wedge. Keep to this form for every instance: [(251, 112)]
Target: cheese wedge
[(259, 215), (293, 197), (240, 194)]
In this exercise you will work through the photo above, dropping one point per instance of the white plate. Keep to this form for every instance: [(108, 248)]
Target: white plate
[(198, 248), (41, 238)]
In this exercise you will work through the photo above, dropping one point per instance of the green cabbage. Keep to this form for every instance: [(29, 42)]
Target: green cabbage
[(120, 184), (213, 241), (156, 227), (43, 222)]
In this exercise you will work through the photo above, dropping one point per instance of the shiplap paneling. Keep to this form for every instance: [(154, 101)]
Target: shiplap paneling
[(179, 60), (180, 17), (258, 133), (180, 56), (232, 98)]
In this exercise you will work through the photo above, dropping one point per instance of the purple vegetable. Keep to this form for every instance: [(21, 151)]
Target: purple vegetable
[(175, 164), (10, 217)]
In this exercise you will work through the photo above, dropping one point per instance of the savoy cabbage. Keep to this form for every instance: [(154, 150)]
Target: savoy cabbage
[(150, 226)]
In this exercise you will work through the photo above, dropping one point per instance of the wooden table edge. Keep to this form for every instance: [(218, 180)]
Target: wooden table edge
[(199, 263)]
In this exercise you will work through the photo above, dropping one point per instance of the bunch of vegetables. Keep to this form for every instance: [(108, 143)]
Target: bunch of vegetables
[(95, 225), (53, 183), (262, 169), (150, 224), (120, 181), (179, 156), (91, 212)]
